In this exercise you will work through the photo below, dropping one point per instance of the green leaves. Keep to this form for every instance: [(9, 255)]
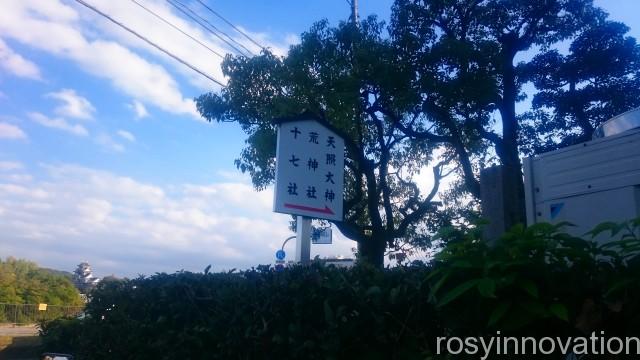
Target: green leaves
[(531, 275), (611, 227), (498, 313), (23, 282), (329, 316), (458, 291), (529, 286), (487, 287), (560, 311), (525, 284)]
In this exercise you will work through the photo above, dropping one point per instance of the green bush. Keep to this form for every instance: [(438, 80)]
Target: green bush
[(535, 281), (539, 281), (311, 312)]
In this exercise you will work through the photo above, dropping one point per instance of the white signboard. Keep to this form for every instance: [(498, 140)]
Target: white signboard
[(309, 171)]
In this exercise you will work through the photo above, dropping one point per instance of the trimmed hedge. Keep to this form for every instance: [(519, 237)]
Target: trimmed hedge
[(311, 312), (535, 281)]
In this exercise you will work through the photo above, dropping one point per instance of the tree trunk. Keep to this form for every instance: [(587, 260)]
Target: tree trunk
[(515, 212), (508, 150), (372, 251)]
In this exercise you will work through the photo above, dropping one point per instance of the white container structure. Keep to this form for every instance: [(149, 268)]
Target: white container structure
[(588, 183)]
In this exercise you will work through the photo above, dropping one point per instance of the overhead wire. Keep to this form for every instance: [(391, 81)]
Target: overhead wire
[(231, 24), (177, 28), (217, 29), (209, 27), (141, 37)]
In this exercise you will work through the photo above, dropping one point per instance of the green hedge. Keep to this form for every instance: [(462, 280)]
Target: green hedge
[(536, 281)]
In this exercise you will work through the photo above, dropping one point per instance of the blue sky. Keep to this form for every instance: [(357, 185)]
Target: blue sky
[(102, 155)]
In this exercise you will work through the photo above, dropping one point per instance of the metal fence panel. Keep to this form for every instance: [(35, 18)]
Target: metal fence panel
[(23, 314)]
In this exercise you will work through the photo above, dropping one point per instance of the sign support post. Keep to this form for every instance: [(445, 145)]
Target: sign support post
[(303, 240)]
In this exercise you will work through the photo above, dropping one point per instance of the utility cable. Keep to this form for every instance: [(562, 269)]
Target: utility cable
[(193, 16), (81, 2), (177, 28), (230, 24), (214, 27)]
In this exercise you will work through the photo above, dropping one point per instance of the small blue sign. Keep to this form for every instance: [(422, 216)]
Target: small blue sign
[(554, 209), (280, 254)]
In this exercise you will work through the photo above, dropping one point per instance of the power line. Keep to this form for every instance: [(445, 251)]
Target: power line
[(214, 27), (177, 28), (230, 24), (183, 9), (81, 2)]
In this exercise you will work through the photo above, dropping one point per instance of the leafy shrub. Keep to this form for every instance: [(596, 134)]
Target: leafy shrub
[(311, 312), (64, 335), (535, 281), (538, 279)]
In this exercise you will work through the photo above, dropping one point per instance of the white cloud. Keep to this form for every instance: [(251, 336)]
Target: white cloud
[(160, 33), (9, 131), (264, 39), (165, 36), (127, 135), (76, 33), (292, 39), (8, 191), (16, 64), (58, 123), (74, 105), (108, 143), (139, 109), (56, 29), (16, 178), (75, 213), (10, 166)]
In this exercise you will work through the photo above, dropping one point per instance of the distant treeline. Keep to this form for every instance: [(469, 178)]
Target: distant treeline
[(23, 282)]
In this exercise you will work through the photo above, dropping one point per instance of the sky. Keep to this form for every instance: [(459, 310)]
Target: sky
[(103, 156)]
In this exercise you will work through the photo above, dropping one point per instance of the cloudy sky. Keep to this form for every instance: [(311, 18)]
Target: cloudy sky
[(103, 156)]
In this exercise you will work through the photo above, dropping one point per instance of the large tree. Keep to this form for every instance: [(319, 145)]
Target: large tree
[(448, 76), (23, 282), (348, 77), (598, 79), (471, 59)]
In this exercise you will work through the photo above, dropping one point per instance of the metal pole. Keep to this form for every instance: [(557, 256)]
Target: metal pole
[(286, 241), (354, 11), (303, 240)]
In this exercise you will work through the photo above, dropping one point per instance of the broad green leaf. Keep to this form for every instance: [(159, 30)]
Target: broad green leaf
[(487, 287), (462, 264), (374, 290), (534, 308), (328, 312), (605, 226), (529, 286), (619, 285), (439, 284), (458, 291), (560, 311), (498, 312)]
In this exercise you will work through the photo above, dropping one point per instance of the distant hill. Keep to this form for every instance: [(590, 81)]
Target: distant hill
[(66, 274), (23, 282)]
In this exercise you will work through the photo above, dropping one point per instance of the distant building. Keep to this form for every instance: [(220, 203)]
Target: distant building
[(339, 262), (83, 278)]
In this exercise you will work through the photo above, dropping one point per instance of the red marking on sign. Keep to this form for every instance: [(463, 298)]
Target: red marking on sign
[(326, 209)]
